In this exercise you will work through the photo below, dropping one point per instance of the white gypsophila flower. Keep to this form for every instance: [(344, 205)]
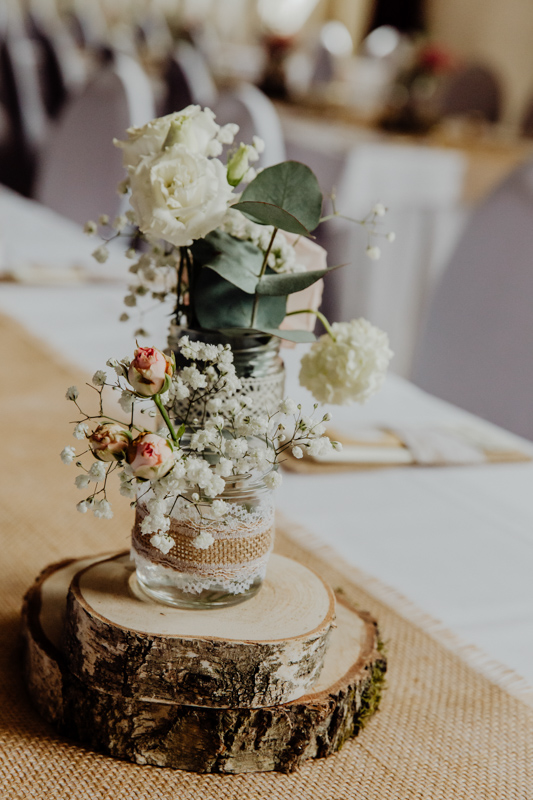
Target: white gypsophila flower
[(297, 452), (193, 377), (130, 300), (68, 454), (219, 508), (236, 448), (102, 509), (379, 210), (192, 128), (391, 236), (103, 219), (162, 542), (203, 540), (319, 447), (120, 222), (224, 467), (126, 401), (99, 378), (90, 228), (177, 389), (273, 480), (179, 195), (288, 406), (80, 430), (97, 471), (373, 252), (72, 393), (82, 481), (82, 507), (214, 486), (326, 417), (350, 368), (101, 254)]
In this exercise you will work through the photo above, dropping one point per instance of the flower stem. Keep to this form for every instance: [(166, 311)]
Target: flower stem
[(163, 412), (263, 268), (319, 316)]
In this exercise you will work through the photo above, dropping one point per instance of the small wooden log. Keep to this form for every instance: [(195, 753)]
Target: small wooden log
[(266, 651), (230, 740)]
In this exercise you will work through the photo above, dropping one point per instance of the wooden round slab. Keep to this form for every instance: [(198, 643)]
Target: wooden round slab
[(266, 651), (200, 739)]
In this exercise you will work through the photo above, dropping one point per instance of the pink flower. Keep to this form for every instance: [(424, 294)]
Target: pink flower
[(150, 457), (313, 257), (109, 442), (148, 371)]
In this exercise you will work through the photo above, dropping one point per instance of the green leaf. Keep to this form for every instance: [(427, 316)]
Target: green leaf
[(293, 336), (288, 284), (235, 260), (286, 195), (220, 304)]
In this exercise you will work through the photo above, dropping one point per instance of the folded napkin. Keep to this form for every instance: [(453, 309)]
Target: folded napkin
[(436, 445)]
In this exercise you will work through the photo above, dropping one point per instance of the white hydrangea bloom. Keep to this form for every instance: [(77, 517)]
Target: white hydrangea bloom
[(350, 368), (68, 454)]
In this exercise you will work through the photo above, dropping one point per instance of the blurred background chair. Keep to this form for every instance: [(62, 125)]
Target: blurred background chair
[(80, 167), (255, 114), (472, 90), (477, 347), (187, 80)]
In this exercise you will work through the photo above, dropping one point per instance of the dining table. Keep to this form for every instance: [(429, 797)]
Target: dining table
[(450, 544)]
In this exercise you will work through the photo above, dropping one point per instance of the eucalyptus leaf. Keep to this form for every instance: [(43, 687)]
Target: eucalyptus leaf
[(235, 260), (285, 284), (290, 187), (300, 337), (220, 304)]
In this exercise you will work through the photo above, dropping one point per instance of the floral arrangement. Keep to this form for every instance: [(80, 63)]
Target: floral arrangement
[(237, 263), (192, 462)]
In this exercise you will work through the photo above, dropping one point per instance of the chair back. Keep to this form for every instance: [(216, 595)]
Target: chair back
[(187, 80), (81, 168), (255, 115), (473, 90), (477, 347)]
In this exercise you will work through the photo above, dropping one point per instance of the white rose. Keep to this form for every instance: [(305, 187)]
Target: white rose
[(179, 196), (349, 369), (191, 127)]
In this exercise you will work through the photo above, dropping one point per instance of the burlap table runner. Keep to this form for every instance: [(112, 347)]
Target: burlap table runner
[(444, 729)]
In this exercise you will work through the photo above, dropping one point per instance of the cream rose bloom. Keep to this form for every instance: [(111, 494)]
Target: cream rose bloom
[(191, 127), (349, 369), (179, 196)]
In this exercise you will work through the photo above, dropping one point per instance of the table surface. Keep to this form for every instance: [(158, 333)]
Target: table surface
[(456, 541)]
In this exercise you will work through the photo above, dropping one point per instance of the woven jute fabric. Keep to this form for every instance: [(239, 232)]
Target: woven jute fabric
[(229, 551), (444, 731)]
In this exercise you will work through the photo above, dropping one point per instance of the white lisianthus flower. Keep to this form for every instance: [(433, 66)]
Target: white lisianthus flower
[(203, 540), (179, 195), (350, 368), (191, 127), (68, 454), (273, 480)]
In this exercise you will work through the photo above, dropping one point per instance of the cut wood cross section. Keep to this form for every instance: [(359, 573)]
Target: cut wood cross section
[(122, 721)]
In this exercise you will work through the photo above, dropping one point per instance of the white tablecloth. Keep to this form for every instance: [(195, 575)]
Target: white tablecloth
[(458, 542), (422, 187)]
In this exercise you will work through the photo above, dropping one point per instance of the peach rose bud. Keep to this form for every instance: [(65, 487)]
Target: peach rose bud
[(109, 442), (150, 457), (148, 371)]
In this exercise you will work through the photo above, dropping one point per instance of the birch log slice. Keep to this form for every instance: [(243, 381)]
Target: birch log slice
[(168, 734), (266, 651)]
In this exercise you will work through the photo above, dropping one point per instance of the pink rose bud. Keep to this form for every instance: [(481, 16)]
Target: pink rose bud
[(150, 457), (148, 371), (109, 442)]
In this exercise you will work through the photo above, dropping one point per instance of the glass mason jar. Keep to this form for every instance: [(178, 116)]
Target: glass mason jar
[(228, 571), (257, 363)]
